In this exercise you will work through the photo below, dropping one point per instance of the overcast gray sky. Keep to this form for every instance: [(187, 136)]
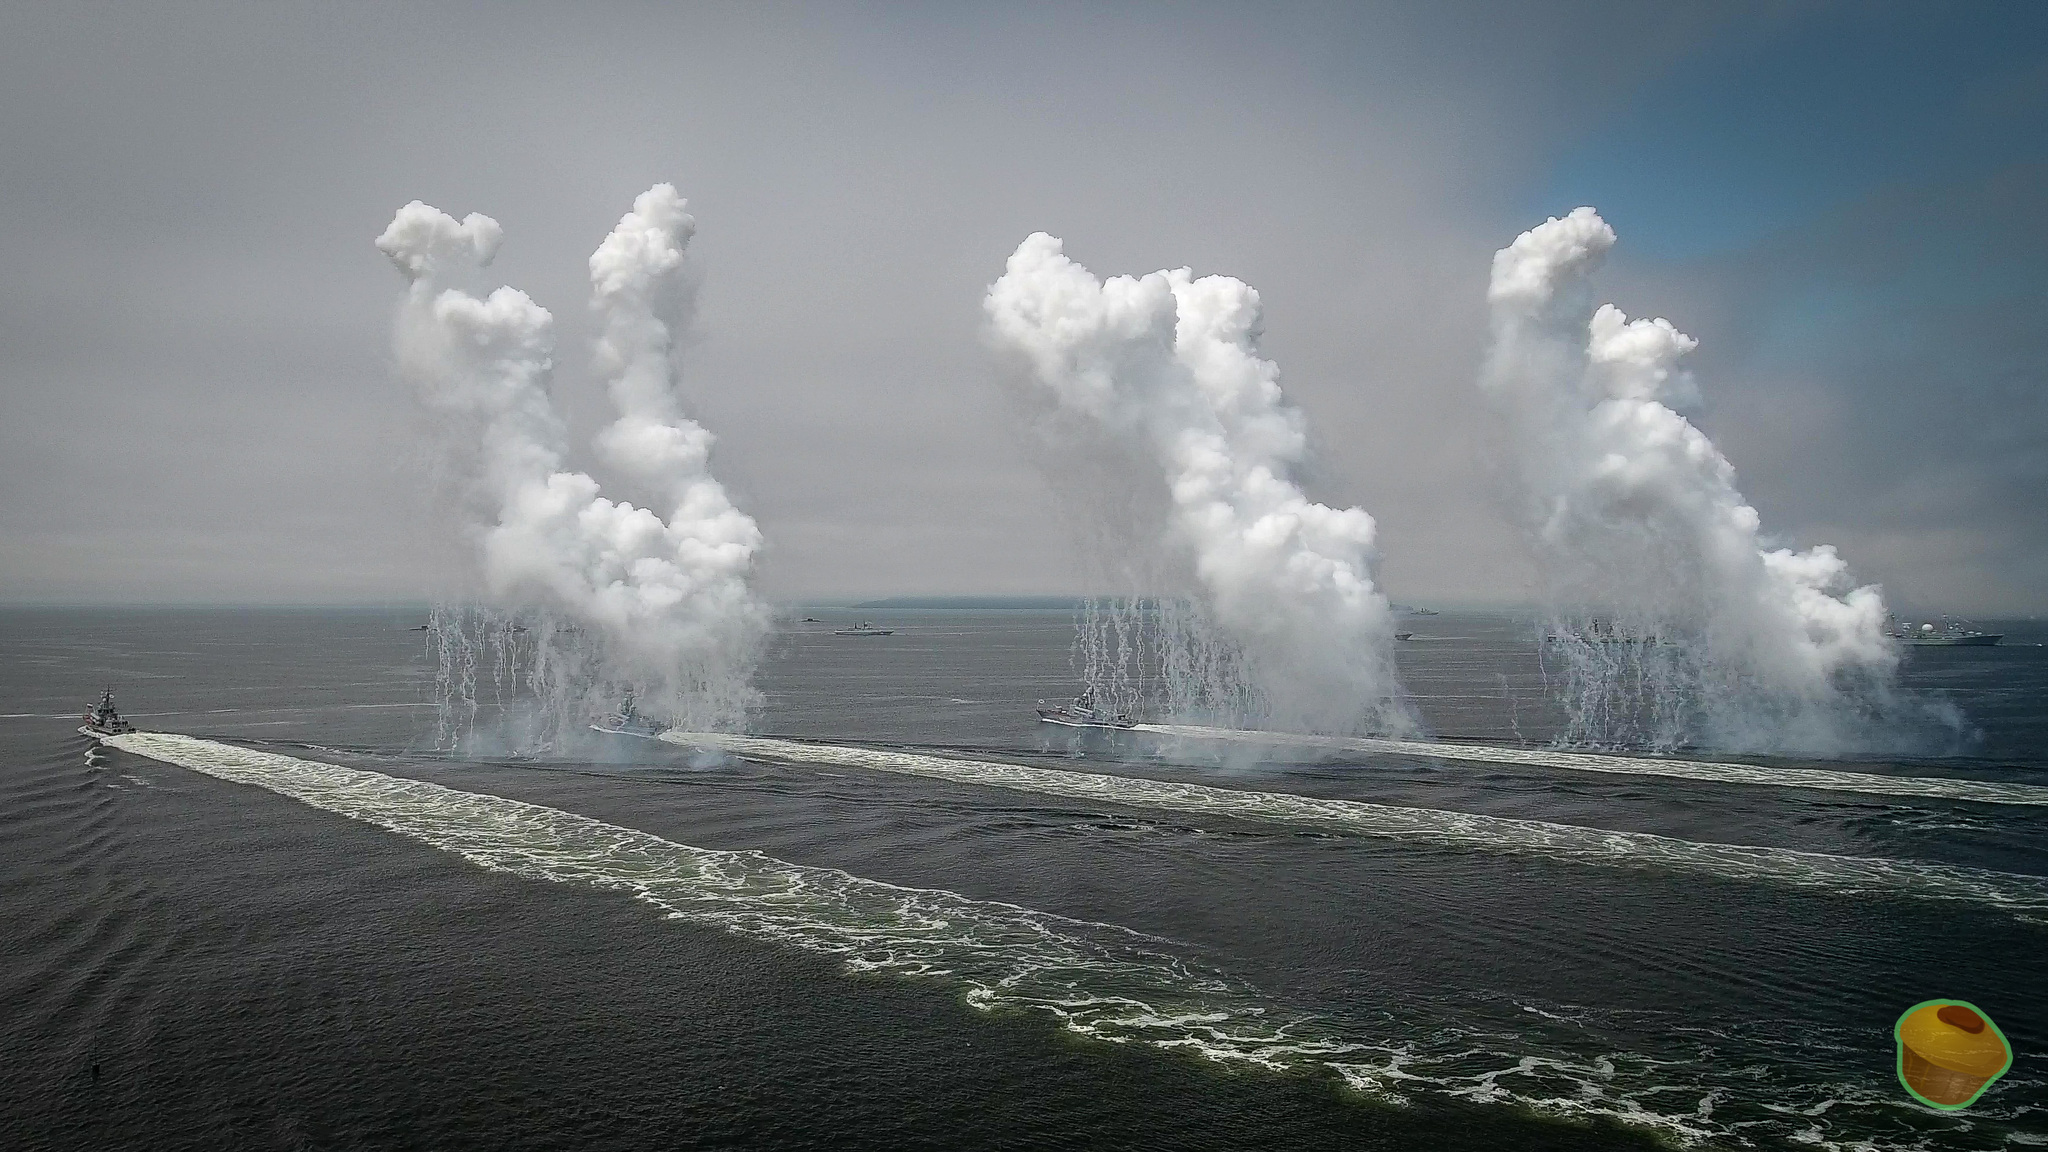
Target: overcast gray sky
[(1842, 202)]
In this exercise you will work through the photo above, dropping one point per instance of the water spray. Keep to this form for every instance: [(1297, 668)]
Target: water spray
[(1277, 621), (582, 597), (1670, 620)]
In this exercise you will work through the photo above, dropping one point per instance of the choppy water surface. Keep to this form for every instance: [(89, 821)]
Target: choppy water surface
[(905, 916)]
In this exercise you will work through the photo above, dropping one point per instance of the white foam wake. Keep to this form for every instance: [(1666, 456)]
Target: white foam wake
[(1984, 792), (1099, 980), (1463, 830)]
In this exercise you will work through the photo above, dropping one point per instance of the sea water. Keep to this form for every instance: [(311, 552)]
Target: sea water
[(906, 915)]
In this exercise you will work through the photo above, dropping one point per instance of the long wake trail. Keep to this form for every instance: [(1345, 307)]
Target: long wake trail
[(1984, 792), (1099, 980), (1435, 827)]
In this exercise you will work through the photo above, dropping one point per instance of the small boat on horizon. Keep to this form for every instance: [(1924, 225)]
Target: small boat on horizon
[(103, 719), (864, 628)]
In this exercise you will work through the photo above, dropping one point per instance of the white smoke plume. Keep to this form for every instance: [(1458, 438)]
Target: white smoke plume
[(623, 596), (635, 286), (1674, 620), (1170, 365)]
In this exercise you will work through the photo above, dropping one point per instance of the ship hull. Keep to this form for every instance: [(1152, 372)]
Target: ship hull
[(1982, 641), (1069, 722), (1083, 713)]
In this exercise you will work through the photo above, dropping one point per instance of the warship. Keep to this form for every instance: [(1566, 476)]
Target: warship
[(628, 721), (1083, 713), (103, 719), (1952, 632)]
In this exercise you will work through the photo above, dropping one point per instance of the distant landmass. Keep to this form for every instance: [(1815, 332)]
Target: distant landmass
[(1043, 603), (984, 603)]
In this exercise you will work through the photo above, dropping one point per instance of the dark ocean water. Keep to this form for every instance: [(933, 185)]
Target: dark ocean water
[(763, 953)]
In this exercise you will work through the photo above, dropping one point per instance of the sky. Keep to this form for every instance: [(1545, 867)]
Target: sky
[(1842, 202)]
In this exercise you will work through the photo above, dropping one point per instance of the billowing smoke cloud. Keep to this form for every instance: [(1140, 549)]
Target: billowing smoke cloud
[(634, 283), (1169, 364), (658, 602), (1673, 620)]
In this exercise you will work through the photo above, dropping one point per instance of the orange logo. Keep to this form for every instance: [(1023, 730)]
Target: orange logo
[(1949, 1053)]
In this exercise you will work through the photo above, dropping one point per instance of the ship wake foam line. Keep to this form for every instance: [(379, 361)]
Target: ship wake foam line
[(1097, 979), (1429, 826), (1985, 792)]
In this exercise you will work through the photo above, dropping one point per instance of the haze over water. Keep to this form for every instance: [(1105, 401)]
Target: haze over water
[(633, 947), (1707, 335)]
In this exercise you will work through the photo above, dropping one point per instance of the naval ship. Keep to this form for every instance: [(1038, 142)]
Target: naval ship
[(1082, 713), (1952, 632), (103, 719), (629, 722)]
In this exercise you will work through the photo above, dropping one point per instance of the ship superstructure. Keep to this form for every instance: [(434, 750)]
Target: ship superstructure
[(628, 721), (103, 719), (1083, 712), (1952, 632)]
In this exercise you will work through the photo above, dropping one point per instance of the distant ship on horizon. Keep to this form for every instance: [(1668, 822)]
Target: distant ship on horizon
[(1952, 632), (864, 628)]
